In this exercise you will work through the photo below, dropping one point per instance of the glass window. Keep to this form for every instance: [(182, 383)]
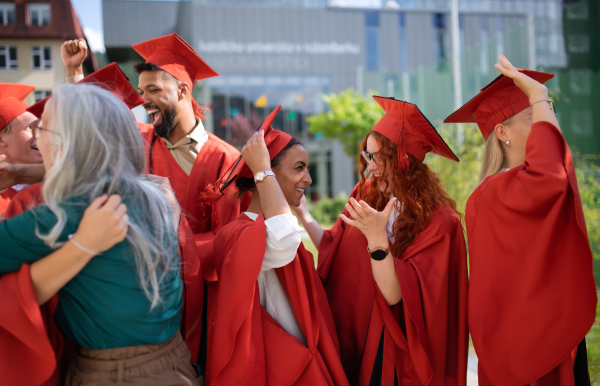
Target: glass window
[(38, 95), (39, 14), (8, 58), (373, 49), (372, 19), (7, 13), (41, 58)]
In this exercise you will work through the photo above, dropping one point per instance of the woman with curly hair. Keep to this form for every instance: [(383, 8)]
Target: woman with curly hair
[(394, 264)]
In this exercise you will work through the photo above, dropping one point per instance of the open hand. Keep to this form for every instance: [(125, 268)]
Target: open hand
[(368, 220), (104, 224), (534, 90), (301, 209)]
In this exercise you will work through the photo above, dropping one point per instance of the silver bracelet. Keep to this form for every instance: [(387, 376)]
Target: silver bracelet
[(71, 239), (543, 100)]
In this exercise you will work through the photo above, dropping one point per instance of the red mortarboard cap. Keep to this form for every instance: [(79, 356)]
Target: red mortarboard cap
[(11, 101), (274, 139), (174, 55), (111, 78), (405, 125), (496, 102)]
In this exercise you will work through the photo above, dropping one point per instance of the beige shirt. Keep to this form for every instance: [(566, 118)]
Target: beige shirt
[(186, 150)]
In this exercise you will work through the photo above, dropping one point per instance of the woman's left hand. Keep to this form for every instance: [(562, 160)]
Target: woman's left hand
[(368, 220), (104, 224)]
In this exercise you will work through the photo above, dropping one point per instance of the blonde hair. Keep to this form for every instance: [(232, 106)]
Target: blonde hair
[(494, 159)]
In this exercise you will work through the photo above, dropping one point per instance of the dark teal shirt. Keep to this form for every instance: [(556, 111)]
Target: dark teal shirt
[(104, 306)]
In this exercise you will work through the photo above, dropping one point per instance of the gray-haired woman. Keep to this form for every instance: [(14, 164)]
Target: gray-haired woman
[(123, 308)]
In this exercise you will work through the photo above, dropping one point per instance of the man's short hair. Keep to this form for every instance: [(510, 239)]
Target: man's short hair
[(143, 66), (5, 129)]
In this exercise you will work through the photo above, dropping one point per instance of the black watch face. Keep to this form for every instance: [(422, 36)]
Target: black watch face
[(378, 254)]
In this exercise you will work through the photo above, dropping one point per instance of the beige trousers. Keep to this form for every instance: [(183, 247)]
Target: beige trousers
[(167, 363)]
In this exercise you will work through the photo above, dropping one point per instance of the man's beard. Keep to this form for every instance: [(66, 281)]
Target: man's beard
[(166, 127)]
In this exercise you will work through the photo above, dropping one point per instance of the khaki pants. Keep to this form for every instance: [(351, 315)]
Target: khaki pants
[(167, 363)]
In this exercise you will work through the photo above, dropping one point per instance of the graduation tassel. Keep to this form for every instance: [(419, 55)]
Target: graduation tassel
[(402, 156)]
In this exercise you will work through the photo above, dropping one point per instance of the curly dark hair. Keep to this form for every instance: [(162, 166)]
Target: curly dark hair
[(246, 184)]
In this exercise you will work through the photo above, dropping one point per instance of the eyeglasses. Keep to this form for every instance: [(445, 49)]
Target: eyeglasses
[(36, 129), (370, 157)]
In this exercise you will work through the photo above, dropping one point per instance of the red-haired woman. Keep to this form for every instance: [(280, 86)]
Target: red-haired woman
[(394, 264)]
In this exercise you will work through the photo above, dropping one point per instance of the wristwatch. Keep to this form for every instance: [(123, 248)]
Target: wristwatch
[(258, 177), (378, 254)]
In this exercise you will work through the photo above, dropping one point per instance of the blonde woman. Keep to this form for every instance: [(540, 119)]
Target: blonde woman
[(532, 296)]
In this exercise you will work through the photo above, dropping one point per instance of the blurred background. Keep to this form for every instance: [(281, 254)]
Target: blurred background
[(323, 59)]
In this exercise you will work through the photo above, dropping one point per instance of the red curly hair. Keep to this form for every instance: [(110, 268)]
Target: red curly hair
[(418, 189)]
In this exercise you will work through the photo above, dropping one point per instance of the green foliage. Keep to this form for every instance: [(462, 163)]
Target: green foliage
[(592, 340), (349, 119), (459, 178), (326, 211), (588, 179)]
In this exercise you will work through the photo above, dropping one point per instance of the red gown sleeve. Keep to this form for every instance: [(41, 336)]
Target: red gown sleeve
[(532, 288), (27, 354)]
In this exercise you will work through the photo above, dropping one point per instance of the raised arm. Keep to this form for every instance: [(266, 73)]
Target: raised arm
[(73, 53), (104, 224), (256, 156), (537, 93)]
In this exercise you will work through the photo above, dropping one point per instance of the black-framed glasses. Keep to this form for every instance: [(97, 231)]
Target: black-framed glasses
[(36, 129), (370, 157)]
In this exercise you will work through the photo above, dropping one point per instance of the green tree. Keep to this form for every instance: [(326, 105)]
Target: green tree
[(348, 120), (459, 178)]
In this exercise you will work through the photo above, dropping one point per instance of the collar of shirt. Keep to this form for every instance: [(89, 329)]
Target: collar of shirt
[(198, 137)]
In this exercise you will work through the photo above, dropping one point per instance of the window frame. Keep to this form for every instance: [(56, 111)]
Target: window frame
[(45, 64), (11, 64)]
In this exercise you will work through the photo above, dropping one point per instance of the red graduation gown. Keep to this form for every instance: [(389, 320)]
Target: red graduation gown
[(246, 345), (532, 294), (205, 218), (30, 343), (425, 335), (5, 199)]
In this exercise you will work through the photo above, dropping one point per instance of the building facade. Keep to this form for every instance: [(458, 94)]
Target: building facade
[(290, 53), (31, 35)]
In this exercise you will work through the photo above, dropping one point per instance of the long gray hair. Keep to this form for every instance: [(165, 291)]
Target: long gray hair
[(99, 150)]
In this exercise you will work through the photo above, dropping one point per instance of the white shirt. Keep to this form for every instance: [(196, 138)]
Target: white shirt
[(283, 240), (390, 224)]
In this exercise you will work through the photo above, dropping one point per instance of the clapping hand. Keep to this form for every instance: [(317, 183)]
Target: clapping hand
[(368, 220)]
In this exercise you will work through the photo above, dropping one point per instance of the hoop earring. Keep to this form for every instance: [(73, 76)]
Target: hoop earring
[(507, 143)]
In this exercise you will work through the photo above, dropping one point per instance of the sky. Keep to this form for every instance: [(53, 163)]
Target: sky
[(90, 17)]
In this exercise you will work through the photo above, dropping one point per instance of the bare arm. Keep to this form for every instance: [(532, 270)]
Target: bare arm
[(535, 91), (11, 174), (103, 225), (312, 227), (372, 224)]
